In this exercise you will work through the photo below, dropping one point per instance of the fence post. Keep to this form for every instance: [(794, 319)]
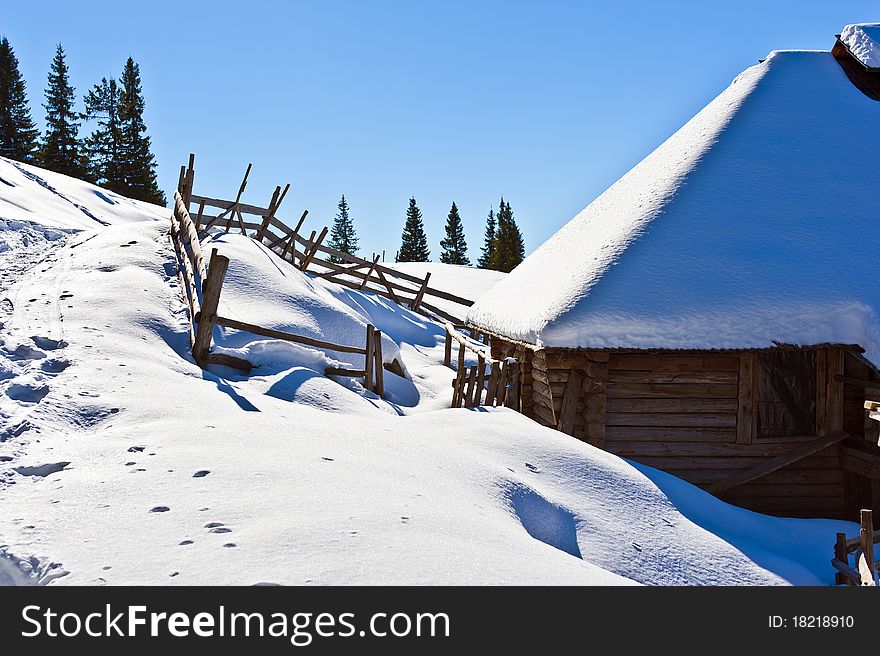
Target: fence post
[(841, 555), (379, 371), (471, 386), (368, 359), (447, 349), (866, 535), (210, 300), (481, 378)]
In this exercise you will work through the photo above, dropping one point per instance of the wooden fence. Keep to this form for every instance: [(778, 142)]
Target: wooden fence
[(310, 254), (865, 570), (201, 284), (472, 386)]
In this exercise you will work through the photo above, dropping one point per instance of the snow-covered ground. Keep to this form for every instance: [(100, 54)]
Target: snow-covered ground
[(122, 462)]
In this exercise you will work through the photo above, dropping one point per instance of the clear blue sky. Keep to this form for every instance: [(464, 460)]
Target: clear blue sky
[(545, 102)]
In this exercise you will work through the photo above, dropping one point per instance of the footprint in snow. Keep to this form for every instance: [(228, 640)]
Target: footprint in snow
[(54, 366), (185, 542), (48, 344), (532, 468), (25, 352), (221, 529), (230, 545), (201, 473), (158, 509), (136, 449)]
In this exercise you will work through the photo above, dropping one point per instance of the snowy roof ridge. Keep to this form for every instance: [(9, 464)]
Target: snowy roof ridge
[(863, 41), (731, 234)]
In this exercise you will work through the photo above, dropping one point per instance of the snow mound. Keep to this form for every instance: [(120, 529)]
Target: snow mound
[(731, 234), (863, 41), (37, 196)]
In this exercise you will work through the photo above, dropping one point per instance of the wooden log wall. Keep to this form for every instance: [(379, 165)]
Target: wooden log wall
[(694, 414)]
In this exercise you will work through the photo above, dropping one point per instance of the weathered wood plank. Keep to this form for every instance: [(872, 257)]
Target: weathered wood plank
[(673, 406), (779, 461), (662, 362), (210, 300), (669, 420), (570, 398), (706, 449), (673, 377), (670, 434), (822, 392), (746, 417), (834, 398), (686, 390), (288, 337)]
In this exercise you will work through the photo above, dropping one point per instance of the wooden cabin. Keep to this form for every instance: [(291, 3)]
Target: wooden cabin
[(781, 431), (715, 313)]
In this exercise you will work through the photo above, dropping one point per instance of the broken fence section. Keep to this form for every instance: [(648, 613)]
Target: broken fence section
[(201, 284), (310, 254), (863, 569), (488, 383)]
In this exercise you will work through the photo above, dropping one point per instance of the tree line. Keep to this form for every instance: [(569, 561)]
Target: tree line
[(117, 154), (503, 246)]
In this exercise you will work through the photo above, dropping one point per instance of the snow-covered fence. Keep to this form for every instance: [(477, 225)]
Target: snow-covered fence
[(311, 254), (862, 546), (201, 285), (501, 385)]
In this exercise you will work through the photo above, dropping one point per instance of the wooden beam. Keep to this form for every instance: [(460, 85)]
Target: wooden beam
[(481, 380), (225, 360), (841, 555), (834, 400), (471, 384), (287, 337), (379, 369), (746, 399), (370, 273), (849, 380), (341, 371), (570, 398), (210, 300), (866, 542), (421, 294), (307, 258), (369, 359), (447, 349), (772, 464)]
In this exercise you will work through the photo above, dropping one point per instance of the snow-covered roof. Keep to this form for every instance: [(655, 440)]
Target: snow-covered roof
[(755, 223), (863, 41)]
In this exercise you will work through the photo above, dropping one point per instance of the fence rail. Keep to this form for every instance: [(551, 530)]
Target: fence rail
[(201, 284), (310, 254), (862, 546)]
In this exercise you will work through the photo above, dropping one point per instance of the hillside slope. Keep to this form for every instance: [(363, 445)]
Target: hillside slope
[(122, 462)]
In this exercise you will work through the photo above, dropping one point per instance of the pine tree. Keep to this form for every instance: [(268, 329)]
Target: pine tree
[(61, 150), (454, 246), (18, 134), (343, 236), (104, 145), (510, 249), (414, 243), (489, 242), (136, 162)]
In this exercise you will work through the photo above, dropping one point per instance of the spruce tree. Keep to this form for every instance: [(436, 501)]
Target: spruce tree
[(489, 242), (18, 134), (343, 236), (454, 246), (137, 163), (104, 145), (414, 243), (61, 150), (510, 249)]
